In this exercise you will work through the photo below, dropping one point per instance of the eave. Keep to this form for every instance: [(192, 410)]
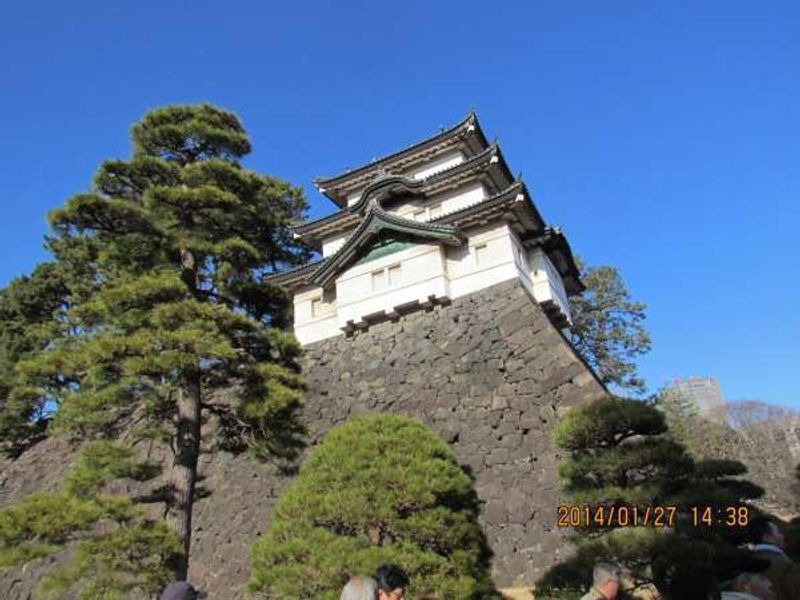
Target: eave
[(375, 223), (489, 166), (514, 206), (294, 278), (513, 199), (467, 135), (555, 245)]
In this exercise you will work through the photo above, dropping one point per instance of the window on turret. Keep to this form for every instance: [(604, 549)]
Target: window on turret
[(316, 307), (387, 277), (324, 306), (480, 254), (394, 275), (378, 281)]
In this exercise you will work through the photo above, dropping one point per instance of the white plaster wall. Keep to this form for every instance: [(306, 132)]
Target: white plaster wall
[(331, 244), (468, 195), (547, 283), (467, 274), (422, 274), (524, 272), (450, 201), (437, 165), (431, 269), (308, 328)]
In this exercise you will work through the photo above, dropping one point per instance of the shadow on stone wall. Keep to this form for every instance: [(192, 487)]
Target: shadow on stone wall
[(488, 373)]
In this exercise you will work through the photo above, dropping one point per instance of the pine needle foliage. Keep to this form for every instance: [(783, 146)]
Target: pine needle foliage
[(118, 550), (608, 327), (621, 455), (170, 319), (379, 489), (31, 315)]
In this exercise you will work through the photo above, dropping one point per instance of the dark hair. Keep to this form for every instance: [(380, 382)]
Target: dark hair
[(758, 528), (390, 577), (693, 585)]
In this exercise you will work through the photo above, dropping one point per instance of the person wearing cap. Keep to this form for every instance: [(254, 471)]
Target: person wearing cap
[(181, 590)]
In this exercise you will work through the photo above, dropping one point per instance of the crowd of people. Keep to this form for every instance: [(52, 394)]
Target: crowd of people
[(774, 577), (777, 578)]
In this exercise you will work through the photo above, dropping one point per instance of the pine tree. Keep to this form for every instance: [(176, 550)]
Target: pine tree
[(165, 256), (118, 549), (380, 488), (608, 327), (620, 455), (31, 308)]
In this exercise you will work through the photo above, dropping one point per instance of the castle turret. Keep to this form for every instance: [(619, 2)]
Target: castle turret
[(438, 220)]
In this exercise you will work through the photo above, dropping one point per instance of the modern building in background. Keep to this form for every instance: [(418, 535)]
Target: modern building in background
[(704, 392)]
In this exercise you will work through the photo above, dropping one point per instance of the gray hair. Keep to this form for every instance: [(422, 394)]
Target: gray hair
[(604, 571), (360, 588)]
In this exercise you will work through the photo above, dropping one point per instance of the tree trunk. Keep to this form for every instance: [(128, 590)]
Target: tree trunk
[(184, 470)]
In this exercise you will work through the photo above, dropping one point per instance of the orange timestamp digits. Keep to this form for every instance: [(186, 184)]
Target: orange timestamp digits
[(616, 516), (728, 516)]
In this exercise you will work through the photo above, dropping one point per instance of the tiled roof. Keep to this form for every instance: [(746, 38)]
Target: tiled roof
[(294, 272), (374, 223), (483, 159), (468, 125), (446, 228)]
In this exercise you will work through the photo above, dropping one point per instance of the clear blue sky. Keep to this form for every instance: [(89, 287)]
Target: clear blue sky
[(664, 137)]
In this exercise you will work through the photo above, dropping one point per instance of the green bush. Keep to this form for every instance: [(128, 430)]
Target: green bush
[(620, 454), (118, 550), (379, 489)]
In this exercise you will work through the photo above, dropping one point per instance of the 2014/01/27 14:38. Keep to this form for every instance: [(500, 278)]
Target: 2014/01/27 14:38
[(650, 516)]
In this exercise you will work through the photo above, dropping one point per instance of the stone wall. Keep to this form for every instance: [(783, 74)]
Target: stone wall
[(488, 373)]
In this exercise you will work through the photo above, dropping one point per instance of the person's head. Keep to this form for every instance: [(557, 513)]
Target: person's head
[(754, 584), (360, 588), (392, 582), (605, 578), (182, 590), (764, 531)]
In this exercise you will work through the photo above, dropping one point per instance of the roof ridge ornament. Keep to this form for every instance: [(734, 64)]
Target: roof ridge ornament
[(470, 122), (372, 206)]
